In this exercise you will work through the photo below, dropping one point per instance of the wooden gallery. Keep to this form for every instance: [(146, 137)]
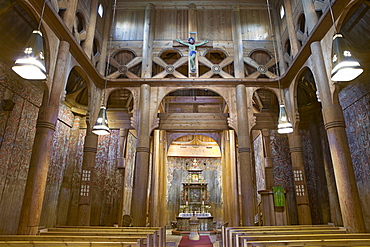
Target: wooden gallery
[(143, 114)]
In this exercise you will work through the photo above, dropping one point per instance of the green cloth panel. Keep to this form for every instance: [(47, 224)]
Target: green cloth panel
[(279, 197)]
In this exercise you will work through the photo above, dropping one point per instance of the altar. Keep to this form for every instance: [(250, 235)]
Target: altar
[(194, 201)]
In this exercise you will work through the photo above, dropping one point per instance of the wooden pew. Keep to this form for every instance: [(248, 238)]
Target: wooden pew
[(64, 244), (155, 236), (226, 236), (312, 242), (234, 235), (229, 233), (159, 236), (245, 240), (99, 228), (89, 237)]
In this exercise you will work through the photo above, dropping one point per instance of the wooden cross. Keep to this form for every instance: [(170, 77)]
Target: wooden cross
[(193, 58)]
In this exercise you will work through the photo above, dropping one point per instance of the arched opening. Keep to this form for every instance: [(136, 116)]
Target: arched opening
[(194, 120), (194, 179), (79, 28), (302, 29), (318, 166), (76, 92)]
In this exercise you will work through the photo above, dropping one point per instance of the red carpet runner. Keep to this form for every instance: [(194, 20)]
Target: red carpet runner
[(204, 241)]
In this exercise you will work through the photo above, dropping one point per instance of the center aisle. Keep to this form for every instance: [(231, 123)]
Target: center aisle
[(204, 241)]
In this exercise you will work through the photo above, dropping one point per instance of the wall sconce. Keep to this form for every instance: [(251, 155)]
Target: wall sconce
[(30, 64)]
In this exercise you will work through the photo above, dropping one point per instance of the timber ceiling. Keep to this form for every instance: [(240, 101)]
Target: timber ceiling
[(16, 23)]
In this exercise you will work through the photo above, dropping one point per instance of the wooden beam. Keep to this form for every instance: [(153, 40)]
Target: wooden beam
[(192, 100), (207, 116), (193, 121)]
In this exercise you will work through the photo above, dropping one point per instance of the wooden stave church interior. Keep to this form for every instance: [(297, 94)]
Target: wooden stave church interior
[(46, 139)]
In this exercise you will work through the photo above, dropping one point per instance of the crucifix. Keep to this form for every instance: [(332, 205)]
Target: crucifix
[(192, 54)]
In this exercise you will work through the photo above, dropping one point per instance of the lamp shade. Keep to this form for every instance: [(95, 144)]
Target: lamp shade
[(30, 64), (101, 125), (284, 125), (345, 67)]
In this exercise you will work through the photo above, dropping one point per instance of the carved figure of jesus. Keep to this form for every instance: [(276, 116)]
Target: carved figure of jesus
[(192, 51)]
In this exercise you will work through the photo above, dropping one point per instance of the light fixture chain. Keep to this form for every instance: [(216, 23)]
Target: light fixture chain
[(110, 49), (41, 16), (274, 48), (332, 18)]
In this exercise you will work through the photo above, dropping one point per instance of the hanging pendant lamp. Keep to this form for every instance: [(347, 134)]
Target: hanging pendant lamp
[(101, 124), (284, 124), (345, 67), (30, 64)]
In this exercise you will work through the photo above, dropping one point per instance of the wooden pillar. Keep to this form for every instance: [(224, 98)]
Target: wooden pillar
[(310, 14), (163, 178), (244, 149), (121, 165), (40, 158), (300, 184), (227, 179), (267, 207), (294, 43), (90, 34), (155, 191), (238, 42), (87, 174), (269, 173), (65, 194), (339, 149), (225, 176), (70, 14), (234, 194), (147, 63), (140, 188)]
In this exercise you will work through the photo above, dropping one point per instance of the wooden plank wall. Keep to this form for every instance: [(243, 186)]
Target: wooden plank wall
[(255, 24), (213, 24), (129, 25), (171, 24)]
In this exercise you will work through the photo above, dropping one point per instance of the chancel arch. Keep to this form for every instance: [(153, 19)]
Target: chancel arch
[(193, 109), (199, 157)]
